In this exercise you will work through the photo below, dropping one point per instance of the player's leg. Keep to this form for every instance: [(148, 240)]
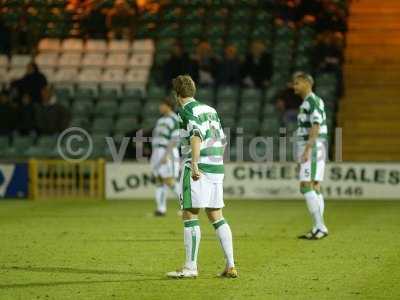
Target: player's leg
[(224, 234), (317, 189), (191, 240), (171, 183), (160, 196), (191, 232)]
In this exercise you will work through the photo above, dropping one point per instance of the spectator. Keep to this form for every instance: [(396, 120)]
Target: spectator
[(94, 19), (120, 20), (331, 18), (287, 104), (328, 56), (32, 83), (229, 68), (5, 38), (257, 69), (50, 117), (207, 64), (8, 116), (26, 116), (179, 63)]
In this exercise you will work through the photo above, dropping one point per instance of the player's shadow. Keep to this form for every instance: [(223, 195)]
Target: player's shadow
[(60, 283), (69, 270)]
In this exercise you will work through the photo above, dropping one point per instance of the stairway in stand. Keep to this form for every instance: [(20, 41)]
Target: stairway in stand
[(370, 110)]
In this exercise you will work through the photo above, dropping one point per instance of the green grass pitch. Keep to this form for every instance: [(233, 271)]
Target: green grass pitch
[(118, 250)]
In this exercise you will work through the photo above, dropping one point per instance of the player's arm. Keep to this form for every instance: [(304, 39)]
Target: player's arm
[(195, 142), (314, 132)]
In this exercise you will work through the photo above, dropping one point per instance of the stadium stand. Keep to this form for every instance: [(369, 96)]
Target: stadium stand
[(108, 83)]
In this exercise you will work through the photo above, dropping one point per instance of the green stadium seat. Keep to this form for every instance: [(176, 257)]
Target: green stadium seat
[(79, 121), (131, 94), (230, 94), (156, 92), (249, 124), (270, 126), (131, 108), (47, 141), (227, 108), (102, 125), (205, 95), (250, 108), (169, 30), (151, 108), (192, 30), (269, 110), (228, 121), (249, 94), (82, 108), (126, 124), (84, 93), (106, 109)]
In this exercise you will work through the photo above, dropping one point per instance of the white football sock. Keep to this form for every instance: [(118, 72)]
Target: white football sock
[(161, 198), (191, 238), (321, 203), (224, 234), (313, 205)]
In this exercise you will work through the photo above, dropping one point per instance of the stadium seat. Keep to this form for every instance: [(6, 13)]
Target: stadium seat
[(250, 94), (143, 46), (82, 108), (227, 108), (65, 77), (102, 125), (125, 124), (96, 46), (230, 94), (140, 60), (70, 60), (117, 60), (119, 46), (106, 109), (228, 121), (269, 110), (205, 95), (93, 60), (151, 108), (15, 73), (156, 92), (131, 108), (47, 59), (84, 94), (4, 61), (49, 45), (19, 61), (72, 45), (90, 78), (47, 141), (78, 121), (136, 79), (250, 108)]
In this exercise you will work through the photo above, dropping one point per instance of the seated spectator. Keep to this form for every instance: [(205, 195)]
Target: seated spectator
[(26, 116), (179, 63), (5, 38), (8, 116), (120, 20), (331, 18), (93, 19), (229, 67), (257, 68), (31, 83), (328, 56), (50, 116), (288, 103), (207, 64)]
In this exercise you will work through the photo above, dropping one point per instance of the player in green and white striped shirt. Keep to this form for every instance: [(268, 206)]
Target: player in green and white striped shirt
[(165, 155), (201, 183), (312, 134)]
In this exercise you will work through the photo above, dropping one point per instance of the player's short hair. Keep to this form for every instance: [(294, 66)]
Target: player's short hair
[(184, 86), (169, 102), (304, 76)]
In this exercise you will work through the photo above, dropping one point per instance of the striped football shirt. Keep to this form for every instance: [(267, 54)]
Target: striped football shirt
[(312, 110), (202, 120), (166, 129)]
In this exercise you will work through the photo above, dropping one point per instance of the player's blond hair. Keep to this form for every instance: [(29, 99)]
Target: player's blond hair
[(184, 86), (304, 76)]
